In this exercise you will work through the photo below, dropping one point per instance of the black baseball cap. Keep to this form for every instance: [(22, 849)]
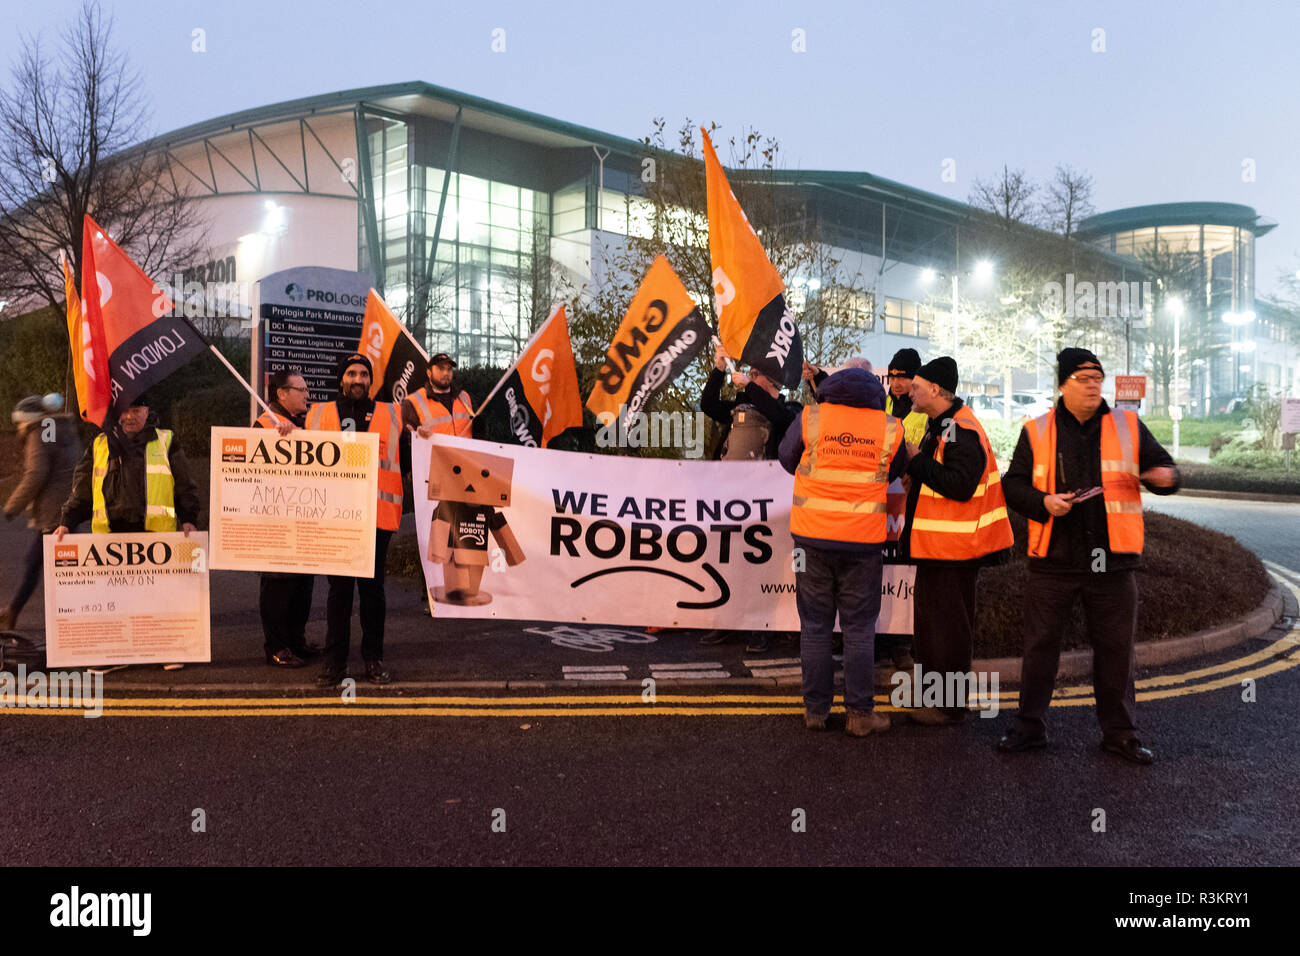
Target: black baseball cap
[(442, 358)]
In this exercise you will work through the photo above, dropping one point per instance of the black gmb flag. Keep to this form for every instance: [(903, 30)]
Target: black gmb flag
[(538, 396), (662, 332)]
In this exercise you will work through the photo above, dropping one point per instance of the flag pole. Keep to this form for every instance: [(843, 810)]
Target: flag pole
[(731, 366), (515, 364), (257, 398)]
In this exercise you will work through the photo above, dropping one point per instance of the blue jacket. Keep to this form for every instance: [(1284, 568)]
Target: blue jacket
[(856, 388)]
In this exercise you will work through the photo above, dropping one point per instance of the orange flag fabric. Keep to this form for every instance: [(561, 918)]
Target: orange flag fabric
[(753, 322), (92, 392), (538, 396)]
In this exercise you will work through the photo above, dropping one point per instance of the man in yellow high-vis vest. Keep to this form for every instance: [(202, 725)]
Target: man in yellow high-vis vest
[(436, 409), (1077, 475), (133, 477)]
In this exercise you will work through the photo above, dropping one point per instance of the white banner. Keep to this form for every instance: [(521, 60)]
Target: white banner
[(126, 599), (304, 502), (534, 534)]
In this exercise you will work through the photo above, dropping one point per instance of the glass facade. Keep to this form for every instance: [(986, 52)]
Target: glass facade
[(493, 240), (904, 317)]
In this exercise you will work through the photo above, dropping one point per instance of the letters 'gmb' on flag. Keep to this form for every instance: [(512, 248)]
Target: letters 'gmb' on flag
[(396, 357), (134, 341), (538, 396), (753, 322), (662, 332), (92, 391)]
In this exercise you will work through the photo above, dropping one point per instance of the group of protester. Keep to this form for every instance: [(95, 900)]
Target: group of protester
[(1076, 476)]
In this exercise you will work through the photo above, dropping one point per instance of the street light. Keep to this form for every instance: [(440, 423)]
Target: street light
[(1175, 306), (982, 273)]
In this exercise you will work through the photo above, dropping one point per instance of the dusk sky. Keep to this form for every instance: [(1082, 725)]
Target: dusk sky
[(1182, 95)]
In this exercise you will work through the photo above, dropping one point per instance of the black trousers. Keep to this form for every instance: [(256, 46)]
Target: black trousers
[(943, 617), (338, 609), (285, 603), (1110, 602)]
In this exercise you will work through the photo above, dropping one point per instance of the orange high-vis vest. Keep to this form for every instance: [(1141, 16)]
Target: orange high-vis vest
[(1121, 489), (267, 420), (459, 422), (947, 530), (840, 484), (386, 423)]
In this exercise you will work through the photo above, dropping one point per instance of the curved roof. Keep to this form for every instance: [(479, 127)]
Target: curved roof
[(1174, 214)]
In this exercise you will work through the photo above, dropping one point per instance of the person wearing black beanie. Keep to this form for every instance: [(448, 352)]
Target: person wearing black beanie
[(1077, 475), (902, 369), (354, 410), (956, 522)]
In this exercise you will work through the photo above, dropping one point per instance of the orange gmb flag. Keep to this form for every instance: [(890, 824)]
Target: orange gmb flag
[(398, 361), (538, 396), (134, 341), (92, 390), (662, 331), (753, 322)]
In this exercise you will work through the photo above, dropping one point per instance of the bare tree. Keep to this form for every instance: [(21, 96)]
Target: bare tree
[(1010, 197), (1069, 199), (67, 125)]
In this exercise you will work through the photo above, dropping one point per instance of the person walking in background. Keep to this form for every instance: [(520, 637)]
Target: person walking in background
[(50, 453)]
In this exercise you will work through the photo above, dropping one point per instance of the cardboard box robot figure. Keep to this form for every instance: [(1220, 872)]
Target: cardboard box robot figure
[(469, 487)]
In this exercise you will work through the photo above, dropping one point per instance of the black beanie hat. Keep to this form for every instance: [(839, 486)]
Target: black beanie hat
[(356, 358), (942, 371), (1071, 360), (905, 360)]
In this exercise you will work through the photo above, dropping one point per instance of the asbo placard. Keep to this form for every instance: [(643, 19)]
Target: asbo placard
[(302, 502), (126, 599)]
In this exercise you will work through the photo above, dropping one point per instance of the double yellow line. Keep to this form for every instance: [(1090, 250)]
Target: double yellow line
[(1282, 655)]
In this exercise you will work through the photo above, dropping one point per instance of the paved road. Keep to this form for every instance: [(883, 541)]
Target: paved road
[(1270, 529), (640, 787)]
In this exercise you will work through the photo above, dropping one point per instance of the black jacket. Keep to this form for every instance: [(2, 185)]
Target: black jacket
[(956, 478), (1075, 536), (779, 413), (124, 484)]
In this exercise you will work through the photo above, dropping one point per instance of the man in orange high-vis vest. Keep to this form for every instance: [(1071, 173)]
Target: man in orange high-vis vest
[(284, 598), (353, 410), (843, 453), (1076, 475), (956, 523), (435, 409)]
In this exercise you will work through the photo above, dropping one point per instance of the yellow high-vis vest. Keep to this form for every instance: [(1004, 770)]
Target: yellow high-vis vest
[(159, 486)]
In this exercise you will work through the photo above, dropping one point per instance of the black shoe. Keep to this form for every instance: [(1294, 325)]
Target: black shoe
[(1131, 749), (285, 658), (376, 673), (331, 676), (715, 637), (307, 651), (758, 644), (1015, 740)]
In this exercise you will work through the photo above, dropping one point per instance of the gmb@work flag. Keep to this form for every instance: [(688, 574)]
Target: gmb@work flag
[(753, 322), (538, 396), (662, 332), (133, 342), (398, 361)]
